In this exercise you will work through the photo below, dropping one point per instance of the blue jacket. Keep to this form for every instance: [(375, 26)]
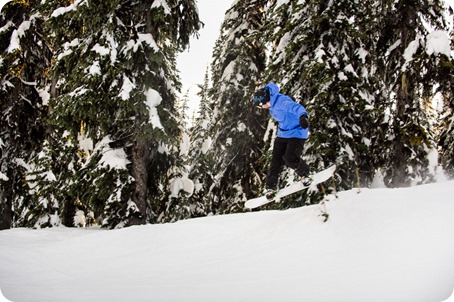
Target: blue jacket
[(287, 113)]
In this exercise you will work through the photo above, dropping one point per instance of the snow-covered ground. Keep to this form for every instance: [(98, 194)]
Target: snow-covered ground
[(379, 245)]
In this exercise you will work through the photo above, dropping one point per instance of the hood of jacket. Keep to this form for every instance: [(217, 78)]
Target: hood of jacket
[(274, 92)]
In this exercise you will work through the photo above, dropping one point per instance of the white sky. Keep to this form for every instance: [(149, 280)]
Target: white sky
[(192, 64), (2, 3), (450, 2)]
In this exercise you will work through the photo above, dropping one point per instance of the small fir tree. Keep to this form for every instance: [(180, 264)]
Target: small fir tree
[(236, 128)]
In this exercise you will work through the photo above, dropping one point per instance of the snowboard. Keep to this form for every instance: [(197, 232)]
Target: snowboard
[(317, 178)]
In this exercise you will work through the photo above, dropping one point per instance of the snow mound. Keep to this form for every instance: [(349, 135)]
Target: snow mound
[(384, 245)]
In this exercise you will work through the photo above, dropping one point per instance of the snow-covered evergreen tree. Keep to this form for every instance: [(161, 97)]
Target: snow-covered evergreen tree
[(113, 117), (178, 204), (92, 124), (322, 57), (446, 136), (442, 73), (408, 74), (446, 141), (24, 61), (236, 128), (200, 172)]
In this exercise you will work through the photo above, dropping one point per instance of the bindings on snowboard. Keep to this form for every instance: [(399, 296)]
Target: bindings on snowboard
[(306, 181), (270, 194)]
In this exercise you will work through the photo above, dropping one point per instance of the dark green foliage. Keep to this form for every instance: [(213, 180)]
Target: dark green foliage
[(235, 129), (326, 62), (25, 58), (446, 135), (117, 83), (112, 136), (409, 82)]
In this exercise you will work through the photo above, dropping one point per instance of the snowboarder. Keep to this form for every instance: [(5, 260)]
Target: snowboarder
[(292, 119)]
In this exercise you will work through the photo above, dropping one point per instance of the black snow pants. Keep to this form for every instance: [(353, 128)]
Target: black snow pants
[(286, 151)]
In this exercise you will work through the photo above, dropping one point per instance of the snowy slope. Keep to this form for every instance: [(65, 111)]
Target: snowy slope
[(380, 245)]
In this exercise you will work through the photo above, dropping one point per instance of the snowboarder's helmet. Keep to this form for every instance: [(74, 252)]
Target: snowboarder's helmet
[(261, 97)]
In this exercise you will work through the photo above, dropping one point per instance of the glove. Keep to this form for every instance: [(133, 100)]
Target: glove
[(303, 122)]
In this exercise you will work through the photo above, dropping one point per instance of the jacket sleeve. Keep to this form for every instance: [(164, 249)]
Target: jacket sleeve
[(294, 108)]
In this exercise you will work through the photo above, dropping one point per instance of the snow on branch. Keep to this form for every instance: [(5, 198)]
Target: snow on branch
[(63, 10), (437, 42)]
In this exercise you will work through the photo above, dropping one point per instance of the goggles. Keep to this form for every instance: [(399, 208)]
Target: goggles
[(261, 97)]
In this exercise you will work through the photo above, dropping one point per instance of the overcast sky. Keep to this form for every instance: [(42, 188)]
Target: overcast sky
[(192, 64)]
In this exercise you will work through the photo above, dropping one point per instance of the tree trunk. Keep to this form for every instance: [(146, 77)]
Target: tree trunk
[(140, 161), (399, 160), (5, 213), (405, 99)]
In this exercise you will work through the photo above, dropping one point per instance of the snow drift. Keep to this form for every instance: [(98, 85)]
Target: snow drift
[(380, 245)]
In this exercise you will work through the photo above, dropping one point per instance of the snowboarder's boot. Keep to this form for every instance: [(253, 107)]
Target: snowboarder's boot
[(306, 180), (270, 194)]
